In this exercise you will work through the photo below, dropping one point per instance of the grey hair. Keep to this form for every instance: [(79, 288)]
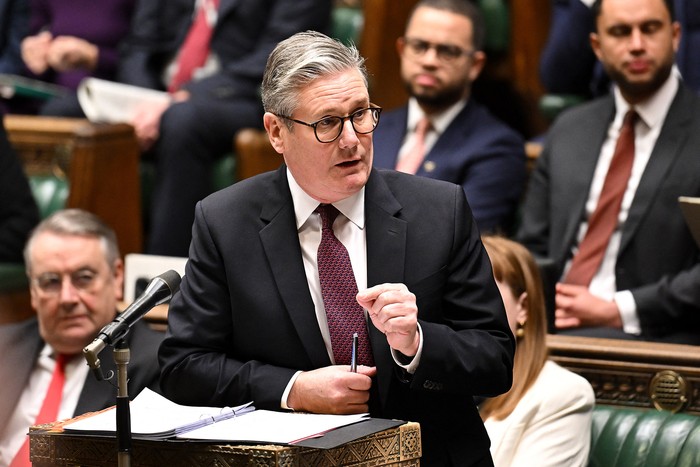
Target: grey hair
[(79, 223), (299, 60)]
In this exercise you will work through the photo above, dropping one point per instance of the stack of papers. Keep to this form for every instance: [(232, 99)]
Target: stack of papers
[(155, 417)]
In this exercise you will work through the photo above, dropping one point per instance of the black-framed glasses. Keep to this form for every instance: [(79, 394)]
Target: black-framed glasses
[(328, 129), (416, 48), (51, 283)]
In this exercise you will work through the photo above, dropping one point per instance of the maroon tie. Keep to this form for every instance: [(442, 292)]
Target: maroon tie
[(339, 290), (49, 408), (412, 160), (603, 221), (195, 50)]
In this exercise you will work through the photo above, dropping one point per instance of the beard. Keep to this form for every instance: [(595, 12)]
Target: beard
[(640, 90), (437, 100)]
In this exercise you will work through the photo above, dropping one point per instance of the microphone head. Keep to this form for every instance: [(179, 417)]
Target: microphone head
[(172, 280)]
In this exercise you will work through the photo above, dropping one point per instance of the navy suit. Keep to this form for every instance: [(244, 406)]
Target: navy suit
[(195, 133), (658, 260), (244, 321), (21, 344), (476, 151), (14, 24)]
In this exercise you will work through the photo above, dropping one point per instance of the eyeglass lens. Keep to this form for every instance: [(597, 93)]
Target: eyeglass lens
[(363, 121), (52, 282), (419, 47)]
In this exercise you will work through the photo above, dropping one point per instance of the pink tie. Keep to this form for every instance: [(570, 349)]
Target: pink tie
[(339, 290), (412, 160), (195, 50), (603, 221), (49, 408)]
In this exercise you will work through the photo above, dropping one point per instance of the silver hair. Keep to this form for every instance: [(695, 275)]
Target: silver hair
[(79, 223), (301, 59)]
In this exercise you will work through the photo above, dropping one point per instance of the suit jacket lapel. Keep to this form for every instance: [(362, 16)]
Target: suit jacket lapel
[(386, 255), (666, 150), (281, 244), (21, 345), (582, 159), (393, 130)]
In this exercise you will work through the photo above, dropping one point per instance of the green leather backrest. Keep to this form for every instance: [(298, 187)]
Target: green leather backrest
[(50, 193), (643, 438), (497, 20), (346, 24)]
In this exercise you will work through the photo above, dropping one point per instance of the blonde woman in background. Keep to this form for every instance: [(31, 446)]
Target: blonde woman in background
[(545, 419)]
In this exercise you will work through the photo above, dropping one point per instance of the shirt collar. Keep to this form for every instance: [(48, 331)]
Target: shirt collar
[(439, 122), (652, 111), (352, 207)]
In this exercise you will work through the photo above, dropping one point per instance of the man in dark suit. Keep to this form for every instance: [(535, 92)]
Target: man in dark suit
[(647, 284), (250, 321), (221, 97), (441, 56), (569, 66), (76, 277)]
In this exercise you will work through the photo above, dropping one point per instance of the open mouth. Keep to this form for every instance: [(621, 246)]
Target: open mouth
[(348, 164)]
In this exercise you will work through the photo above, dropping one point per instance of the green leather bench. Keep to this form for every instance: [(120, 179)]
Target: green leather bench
[(626, 437)]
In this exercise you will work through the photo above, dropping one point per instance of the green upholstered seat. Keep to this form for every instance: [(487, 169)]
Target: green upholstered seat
[(622, 437), (552, 105)]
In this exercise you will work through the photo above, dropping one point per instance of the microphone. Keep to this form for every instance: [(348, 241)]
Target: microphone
[(159, 290)]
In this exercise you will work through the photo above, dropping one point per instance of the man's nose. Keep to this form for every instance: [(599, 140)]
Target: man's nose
[(348, 137), (69, 293)]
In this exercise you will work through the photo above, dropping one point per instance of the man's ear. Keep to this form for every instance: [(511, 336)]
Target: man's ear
[(119, 279), (274, 128), (594, 39), (478, 62)]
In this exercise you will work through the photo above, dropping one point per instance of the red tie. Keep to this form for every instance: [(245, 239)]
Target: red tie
[(412, 160), (603, 221), (339, 290), (49, 409), (195, 50)]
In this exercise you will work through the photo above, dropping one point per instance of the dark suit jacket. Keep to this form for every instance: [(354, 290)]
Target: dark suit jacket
[(477, 151), (243, 322), (14, 26), (243, 37), (21, 344), (658, 259), (18, 210)]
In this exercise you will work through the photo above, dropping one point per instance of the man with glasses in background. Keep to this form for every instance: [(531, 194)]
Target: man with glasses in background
[(286, 266), (442, 132), (76, 277)]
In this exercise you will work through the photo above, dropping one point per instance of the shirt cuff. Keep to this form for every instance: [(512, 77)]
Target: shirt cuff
[(628, 312), (588, 3), (285, 394), (401, 360)]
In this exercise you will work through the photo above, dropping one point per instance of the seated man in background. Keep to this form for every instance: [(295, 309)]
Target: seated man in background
[(602, 201), (69, 41), (18, 210), (569, 66), (443, 133), (269, 302), (215, 90), (545, 418), (76, 277)]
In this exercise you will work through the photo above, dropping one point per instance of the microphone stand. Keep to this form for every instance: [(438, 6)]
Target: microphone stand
[(122, 355)]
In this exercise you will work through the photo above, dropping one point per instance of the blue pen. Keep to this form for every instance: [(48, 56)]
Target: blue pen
[(353, 354)]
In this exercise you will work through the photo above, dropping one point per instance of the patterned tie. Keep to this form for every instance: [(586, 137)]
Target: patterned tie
[(49, 408), (195, 49), (339, 290), (604, 219), (412, 160)]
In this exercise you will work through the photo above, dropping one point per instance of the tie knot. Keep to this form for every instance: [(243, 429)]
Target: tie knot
[(422, 127), (328, 214), (630, 118)]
